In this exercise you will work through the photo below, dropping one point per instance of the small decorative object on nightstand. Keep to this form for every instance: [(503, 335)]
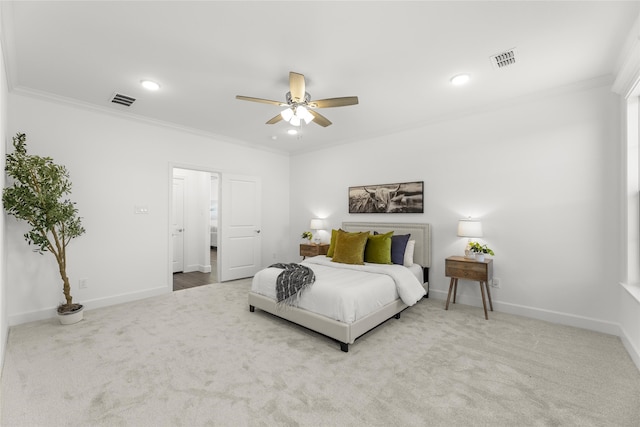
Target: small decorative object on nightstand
[(313, 250), (458, 267), (480, 250), (307, 235)]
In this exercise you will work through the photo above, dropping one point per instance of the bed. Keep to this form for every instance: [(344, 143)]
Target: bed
[(347, 328)]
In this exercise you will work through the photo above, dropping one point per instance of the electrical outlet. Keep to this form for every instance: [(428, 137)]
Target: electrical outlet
[(141, 209), (82, 283), (495, 282)]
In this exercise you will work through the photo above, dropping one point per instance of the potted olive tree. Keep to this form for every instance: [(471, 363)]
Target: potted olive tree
[(37, 195)]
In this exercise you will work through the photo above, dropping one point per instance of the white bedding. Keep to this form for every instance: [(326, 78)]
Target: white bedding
[(347, 292)]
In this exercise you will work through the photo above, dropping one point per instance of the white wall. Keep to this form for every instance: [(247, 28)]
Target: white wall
[(4, 321), (542, 176), (115, 164)]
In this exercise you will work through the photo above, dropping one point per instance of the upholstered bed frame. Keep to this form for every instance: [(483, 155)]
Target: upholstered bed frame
[(346, 333)]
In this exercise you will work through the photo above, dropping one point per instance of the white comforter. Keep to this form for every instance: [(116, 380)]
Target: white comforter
[(347, 292)]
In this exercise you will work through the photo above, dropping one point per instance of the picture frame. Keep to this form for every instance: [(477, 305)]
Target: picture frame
[(404, 197)]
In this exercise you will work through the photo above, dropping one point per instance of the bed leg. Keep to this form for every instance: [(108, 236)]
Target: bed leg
[(344, 347), (252, 308)]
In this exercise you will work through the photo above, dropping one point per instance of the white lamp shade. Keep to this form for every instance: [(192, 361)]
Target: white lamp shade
[(304, 114), (316, 224), (287, 114), (469, 228)]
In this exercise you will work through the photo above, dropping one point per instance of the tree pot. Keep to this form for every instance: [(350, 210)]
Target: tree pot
[(71, 317), (479, 256)]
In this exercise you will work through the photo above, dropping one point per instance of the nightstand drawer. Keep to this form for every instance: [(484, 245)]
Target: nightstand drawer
[(469, 269), (313, 250)]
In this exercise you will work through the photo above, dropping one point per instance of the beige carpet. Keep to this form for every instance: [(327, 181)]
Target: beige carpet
[(198, 357)]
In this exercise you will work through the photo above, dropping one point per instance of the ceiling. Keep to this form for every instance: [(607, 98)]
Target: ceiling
[(397, 57)]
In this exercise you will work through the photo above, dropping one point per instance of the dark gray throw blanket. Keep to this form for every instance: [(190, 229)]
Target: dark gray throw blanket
[(291, 282)]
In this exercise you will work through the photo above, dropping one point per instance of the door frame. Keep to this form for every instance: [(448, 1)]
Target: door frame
[(172, 166)]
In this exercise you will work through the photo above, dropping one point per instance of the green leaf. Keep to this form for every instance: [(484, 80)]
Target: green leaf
[(37, 195)]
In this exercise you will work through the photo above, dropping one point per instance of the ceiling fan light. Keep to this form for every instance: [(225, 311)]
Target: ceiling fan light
[(287, 114), (304, 114), (295, 120)]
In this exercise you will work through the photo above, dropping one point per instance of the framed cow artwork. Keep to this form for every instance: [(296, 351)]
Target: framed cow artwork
[(405, 197)]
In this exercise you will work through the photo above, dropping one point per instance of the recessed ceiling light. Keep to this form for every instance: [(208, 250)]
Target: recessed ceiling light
[(148, 84), (460, 79), (292, 132)]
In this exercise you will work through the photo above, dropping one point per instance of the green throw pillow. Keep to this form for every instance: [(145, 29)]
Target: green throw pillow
[(332, 243), (350, 247), (378, 249)]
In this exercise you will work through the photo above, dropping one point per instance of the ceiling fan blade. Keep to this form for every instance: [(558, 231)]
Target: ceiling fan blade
[(334, 102), (296, 86), (320, 119), (264, 101), (274, 120)]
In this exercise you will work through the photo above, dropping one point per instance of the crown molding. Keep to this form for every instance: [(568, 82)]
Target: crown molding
[(7, 43), (628, 69), (57, 99)]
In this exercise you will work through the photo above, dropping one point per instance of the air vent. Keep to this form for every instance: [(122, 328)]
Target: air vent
[(121, 99), (504, 59)]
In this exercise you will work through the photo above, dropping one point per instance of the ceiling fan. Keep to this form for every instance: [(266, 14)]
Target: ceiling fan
[(299, 104)]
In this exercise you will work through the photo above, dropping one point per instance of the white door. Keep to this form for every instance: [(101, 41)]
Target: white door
[(240, 220), (177, 224)]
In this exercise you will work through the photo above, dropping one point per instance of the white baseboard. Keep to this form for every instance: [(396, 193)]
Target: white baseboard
[(553, 317), (48, 313), (633, 351), (198, 267), (32, 316), (630, 312), (538, 313)]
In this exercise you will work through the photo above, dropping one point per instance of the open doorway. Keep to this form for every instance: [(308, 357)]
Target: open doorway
[(196, 278), (194, 230)]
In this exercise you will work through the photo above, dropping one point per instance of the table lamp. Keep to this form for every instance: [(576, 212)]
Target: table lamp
[(316, 224), (469, 227)]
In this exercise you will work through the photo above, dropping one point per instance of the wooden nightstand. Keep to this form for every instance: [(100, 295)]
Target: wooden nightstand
[(312, 249), (458, 267)]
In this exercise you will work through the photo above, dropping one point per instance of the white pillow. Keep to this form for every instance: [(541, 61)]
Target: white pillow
[(408, 253)]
